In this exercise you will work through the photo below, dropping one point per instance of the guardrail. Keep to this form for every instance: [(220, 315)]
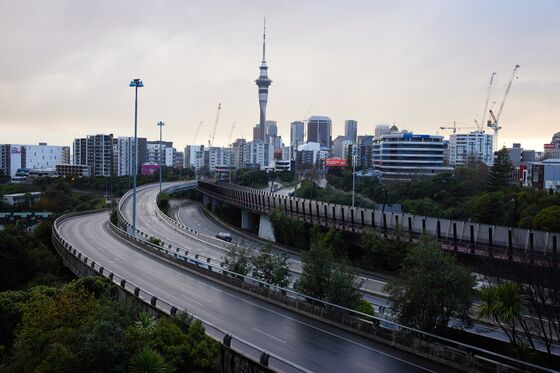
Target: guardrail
[(81, 265), (475, 238), (456, 354)]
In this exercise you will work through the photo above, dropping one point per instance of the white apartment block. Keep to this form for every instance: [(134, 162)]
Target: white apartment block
[(475, 146)]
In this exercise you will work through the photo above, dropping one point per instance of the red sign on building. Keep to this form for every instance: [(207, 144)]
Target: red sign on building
[(335, 162)]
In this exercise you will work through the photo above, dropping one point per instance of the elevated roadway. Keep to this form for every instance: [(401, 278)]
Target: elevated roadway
[(304, 341)]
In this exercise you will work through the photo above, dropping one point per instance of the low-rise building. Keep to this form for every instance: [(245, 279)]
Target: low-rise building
[(73, 170)]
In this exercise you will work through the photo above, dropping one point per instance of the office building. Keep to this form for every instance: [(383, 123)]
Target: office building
[(297, 130), (351, 130), (519, 156), (153, 151), (470, 148), (319, 130), (365, 149), (405, 155), (73, 170), (37, 157), (340, 146)]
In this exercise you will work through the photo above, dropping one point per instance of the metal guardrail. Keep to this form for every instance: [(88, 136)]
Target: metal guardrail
[(394, 330), (240, 345)]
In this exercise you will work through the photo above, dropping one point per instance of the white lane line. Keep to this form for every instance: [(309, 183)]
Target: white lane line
[(191, 299), (269, 335), (321, 330)]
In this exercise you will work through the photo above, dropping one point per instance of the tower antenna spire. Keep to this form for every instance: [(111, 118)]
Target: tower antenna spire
[(264, 40)]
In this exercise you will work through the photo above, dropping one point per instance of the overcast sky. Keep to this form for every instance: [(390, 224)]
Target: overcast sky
[(65, 66)]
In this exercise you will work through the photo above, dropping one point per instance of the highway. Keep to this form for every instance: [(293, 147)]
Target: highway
[(304, 341)]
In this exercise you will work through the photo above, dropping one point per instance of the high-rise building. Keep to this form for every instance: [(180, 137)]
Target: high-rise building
[(365, 149), (556, 140), (340, 146), (194, 156), (381, 129), (95, 151), (471, 147), (404, 155), (263, 82), (153, 151), (319, 130), (127, 155), (351, 130), (238, 148), (296, 134), (259, 153), (219, 158)]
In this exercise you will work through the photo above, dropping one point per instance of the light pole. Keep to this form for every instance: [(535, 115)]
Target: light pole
[(136, 83), (160, 124), (353, 175)]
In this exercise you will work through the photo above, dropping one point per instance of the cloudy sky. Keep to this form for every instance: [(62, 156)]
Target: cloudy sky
[(65, 66)]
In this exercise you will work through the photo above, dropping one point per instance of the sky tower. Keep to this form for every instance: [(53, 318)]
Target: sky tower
[(263, 82)]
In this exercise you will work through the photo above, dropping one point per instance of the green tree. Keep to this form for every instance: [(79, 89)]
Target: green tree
[(431, 288), (343, 288), (548, 219), (501, 171), (505, 304), (271, 268), (237, 259), (383, 253), (148, 360), (489, 208)]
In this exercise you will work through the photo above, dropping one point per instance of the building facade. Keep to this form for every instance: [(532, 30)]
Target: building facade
[(319, 130), (405, 155), (474, 147), (127, 155), (351, 130)]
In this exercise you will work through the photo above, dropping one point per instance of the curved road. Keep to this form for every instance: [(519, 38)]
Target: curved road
[(304, 341)]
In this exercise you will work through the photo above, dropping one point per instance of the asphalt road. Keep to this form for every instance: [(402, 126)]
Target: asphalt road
[(304, 341)]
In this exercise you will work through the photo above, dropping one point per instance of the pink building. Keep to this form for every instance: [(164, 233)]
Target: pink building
[(149, 169)]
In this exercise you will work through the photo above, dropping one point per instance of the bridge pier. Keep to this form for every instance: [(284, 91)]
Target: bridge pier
[(265, 228), (206, 200), (247, 220)]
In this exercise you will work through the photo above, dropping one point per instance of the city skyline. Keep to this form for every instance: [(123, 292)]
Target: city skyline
[(70, 64)]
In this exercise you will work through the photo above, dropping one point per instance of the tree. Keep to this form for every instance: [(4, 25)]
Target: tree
[(383, 253), (148, 360), (237, 259), (271, 268), (505, 304), (431, 288), (323, 278), (317, 267), (343, 288), (548, 219), (145, 322), (501, 171), (489, 208)]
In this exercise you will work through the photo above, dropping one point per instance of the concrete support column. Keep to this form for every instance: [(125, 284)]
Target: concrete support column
[(247, 220), (206, 200)]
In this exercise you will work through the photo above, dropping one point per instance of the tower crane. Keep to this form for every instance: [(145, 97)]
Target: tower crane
[(211, 140), (455, 128), (485, 109), (196, 133), (495, 122)]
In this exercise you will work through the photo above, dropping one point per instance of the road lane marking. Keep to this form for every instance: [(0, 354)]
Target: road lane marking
[(269, 335), (319, 329), (191, 299)]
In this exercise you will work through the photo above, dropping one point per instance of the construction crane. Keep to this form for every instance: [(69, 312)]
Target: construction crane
[(211, 140), (196, 133), (455, 128), (495, 122), (485, 108)]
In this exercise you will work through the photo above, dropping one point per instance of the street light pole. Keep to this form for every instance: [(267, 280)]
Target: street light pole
[(353, 175), (160, 124), (136, 83)]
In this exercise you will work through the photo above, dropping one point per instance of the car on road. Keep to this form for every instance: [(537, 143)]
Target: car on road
[(224, 236)]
